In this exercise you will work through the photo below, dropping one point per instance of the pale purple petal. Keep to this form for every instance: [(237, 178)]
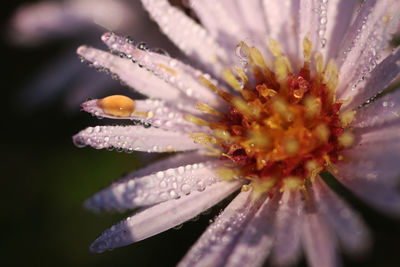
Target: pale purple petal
[(138, 78), (338, 18), (383, 110), (215, 17), (172, 183), (256, 240), (364, 42), (384, 73), (318, 241), (162, 217), (159, 113), (282, 25), (134, 138), (190, 37), (374, 156), (351, 231), (215, 244), (178, 74), (312, 21), (287, 229)]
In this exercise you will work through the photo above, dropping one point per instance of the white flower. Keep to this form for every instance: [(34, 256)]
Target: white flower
[(268, 119)]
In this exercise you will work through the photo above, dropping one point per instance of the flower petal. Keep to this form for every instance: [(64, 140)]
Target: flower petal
[(339, 15), (162, 217), (282, 25), (138, 78), (179, 75), (384, 73), (155, 112), (287, 229), (256, 240), (364, 42), (381, 111), (318, 241), (172, 183), (353, 234), (134, 138), (215, 244), (190, 37)]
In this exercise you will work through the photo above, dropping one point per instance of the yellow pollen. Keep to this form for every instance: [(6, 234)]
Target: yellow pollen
[(195, 120), (227, 173), (347, 117), (246, 188), (242, 75), (319, 63), (312, 106), (263, 185), (387, 18), (346, 139), (244, 107), (117, 105), (222, 134)]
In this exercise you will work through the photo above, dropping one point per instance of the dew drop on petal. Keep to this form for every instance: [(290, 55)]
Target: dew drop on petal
[(117, 105)]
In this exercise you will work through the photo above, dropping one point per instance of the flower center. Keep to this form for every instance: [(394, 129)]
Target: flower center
[(284, 130)]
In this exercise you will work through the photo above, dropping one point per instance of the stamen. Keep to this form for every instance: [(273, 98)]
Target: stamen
[(346, 139), (209, 110), (231, 80), (196, 120), (347, 117), (203, 138)]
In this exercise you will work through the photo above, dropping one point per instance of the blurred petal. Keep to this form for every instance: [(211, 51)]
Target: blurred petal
[(256, 240), (134, 138), (135, 191), (287, 226), (352, 233), (318, 241), (379, 78), (381, 111), (190, 37), (216, 243), (162, 217), (364, 42)]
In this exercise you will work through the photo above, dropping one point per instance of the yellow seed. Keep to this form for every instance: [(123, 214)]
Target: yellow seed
[(117, 105), (195, 120), (291, 183), (307, 47), (231, 80), (291, 146), (347, 117), (346, 139), (322, 132), (209, 110)]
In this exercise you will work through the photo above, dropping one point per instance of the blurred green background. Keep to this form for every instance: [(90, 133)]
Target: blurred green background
[(45, 180)]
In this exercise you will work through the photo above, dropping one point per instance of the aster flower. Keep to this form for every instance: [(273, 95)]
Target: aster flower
[(288, 96)]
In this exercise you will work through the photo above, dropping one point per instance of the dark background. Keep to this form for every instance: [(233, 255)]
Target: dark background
[(45, 180)]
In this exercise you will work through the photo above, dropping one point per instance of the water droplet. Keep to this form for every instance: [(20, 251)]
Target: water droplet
[(117, 105), (142, 46), (185, 189)]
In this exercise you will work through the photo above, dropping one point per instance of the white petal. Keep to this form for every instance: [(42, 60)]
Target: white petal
[(172, 183), (282, 25), (364, 42), (159, 114), (215, 244), (256, 240), (381, 111), (190, 37), (134, 138), (318, 242), (162, 217), (353, 234), (287, 229), (338, 17), (138, 78), (179, 75)]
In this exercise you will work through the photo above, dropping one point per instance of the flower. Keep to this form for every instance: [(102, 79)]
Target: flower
[(267, 119)]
